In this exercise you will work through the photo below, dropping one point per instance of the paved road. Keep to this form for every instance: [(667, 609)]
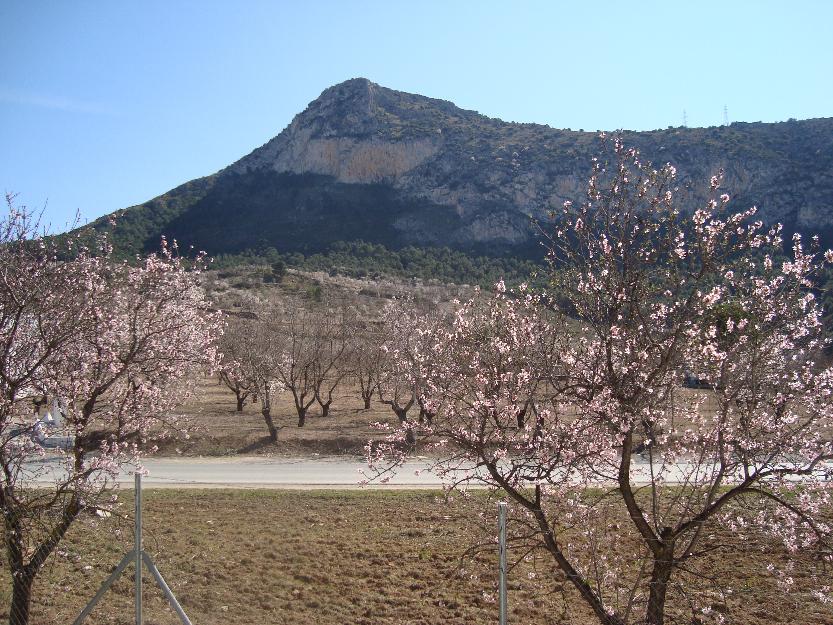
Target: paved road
[(275, 473), (307, 473), (260, 472)]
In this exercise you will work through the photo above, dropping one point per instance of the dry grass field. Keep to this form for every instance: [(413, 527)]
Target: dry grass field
[(333, 558), (218, 429), (257, 557)]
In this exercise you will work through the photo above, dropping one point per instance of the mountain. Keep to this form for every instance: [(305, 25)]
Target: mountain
[(363, 162)]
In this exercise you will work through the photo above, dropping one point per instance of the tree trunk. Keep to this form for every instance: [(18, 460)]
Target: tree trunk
[(23, 575), (367, 401), (581, 585), (241, 399), (539, 427), (21, 579), (660, 576), (521, 418), (426, 416), (21, 598), (402, 414), (273, 431), (325, 409), (302, 416)]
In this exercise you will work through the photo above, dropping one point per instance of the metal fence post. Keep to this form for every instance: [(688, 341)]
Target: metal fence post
[(138, 548), (140, 558), (502, 555)]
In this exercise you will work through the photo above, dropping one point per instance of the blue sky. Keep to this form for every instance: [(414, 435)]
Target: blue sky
[(107, 104)]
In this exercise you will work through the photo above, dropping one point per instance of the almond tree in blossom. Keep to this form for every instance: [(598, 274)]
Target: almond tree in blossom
[(365, 358), (258, 359), (407, 334), (629, 482), (119, 344), (298, 347), (332, 353), (232, 373)]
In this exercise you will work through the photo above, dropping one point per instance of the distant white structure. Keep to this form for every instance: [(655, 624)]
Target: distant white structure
[(54, 417), (48, 429)]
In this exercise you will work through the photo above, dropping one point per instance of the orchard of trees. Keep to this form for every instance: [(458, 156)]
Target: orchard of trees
[(309, 349), (663, 400)]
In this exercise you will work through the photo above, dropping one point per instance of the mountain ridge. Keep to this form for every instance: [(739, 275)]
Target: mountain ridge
[(363, 162)]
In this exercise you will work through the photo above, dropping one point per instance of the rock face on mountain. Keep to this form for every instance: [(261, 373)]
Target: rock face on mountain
[(366, 162)]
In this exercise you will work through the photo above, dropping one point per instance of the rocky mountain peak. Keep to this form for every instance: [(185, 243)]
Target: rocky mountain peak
[(364, 162), (346, 109), (353, 132)]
